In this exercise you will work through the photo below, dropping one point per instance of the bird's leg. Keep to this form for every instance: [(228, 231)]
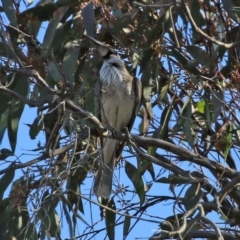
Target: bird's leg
[(128, 135), (111, 132)]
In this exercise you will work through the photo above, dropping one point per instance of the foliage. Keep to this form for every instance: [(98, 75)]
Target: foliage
[(187, 56)]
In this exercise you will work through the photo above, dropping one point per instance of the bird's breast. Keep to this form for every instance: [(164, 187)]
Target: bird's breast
[(117, 96), (117, 105)]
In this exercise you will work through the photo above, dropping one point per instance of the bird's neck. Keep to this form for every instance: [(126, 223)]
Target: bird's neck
[(113, 71)]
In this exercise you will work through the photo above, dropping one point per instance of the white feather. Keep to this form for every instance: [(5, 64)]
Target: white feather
[(111, 75)]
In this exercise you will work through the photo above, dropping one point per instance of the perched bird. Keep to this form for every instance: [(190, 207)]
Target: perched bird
[(117, 102)]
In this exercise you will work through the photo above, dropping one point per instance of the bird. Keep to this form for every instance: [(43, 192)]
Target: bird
[(117, 101)]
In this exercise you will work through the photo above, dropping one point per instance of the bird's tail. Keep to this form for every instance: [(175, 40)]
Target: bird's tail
[(103, 181)]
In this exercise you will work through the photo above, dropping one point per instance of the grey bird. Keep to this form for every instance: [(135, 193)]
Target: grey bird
[(117, 102)]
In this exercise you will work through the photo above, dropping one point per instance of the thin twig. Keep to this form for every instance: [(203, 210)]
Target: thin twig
[(197, 29), (153, 5)]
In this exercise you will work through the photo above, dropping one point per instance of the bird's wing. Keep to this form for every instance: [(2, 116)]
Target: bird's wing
[(97, 99), (137, 88), (97, 102)]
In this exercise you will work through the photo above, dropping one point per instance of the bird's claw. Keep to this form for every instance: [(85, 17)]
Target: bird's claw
[(112, 132), (127, 133)]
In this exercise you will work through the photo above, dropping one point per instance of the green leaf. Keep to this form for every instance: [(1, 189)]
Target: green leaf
[(42, 12), (146, 113), (66, 2), (60, 37), (172, 220), (201, 57), (134, 175), (31, 233), (4, 53), (126, 225), (6, 179), (148, 89), (50, 32), (35, 127), (16, 222), (188, 132), (73, 189), (201, 106), (110, 218), (136, 59), (4, 213), (47, 215), (232, 8), (15, 112), (183, 61), (146, 165), (152, 150), (70, 60), (161, 26), (10, 12), (192, 196), (186, 121), (54, 72), (196, 14), (26, 229), (218, 102), (3, 124), (123, 22), (164, 86), (5, 153), (34, 27), (145, 61), (80, 204), (165, 118), (4, 222), (163, 180), (226, 140), (208, 112), (5, 101), (173, 179), (88, 18)]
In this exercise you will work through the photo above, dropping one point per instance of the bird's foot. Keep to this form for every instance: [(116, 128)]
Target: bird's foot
[(112, 132), (128, 136)]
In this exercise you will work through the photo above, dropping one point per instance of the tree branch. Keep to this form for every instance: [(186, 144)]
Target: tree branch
[(197, 29), (185, 155), (31, 73)]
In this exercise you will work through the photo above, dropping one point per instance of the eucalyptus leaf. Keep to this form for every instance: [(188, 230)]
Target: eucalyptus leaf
[(50, 32), (5, 153), (192, 196), (10, 12), (6, 179), (70, 60), (126, 224), (201, 57), (88, 18), (135, 177), (110, 219), (218, 102)]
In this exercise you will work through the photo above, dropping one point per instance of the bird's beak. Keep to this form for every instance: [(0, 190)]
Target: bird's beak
[(102, 48)]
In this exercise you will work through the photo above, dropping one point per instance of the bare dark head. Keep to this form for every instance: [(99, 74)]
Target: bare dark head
[(104, 50)]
